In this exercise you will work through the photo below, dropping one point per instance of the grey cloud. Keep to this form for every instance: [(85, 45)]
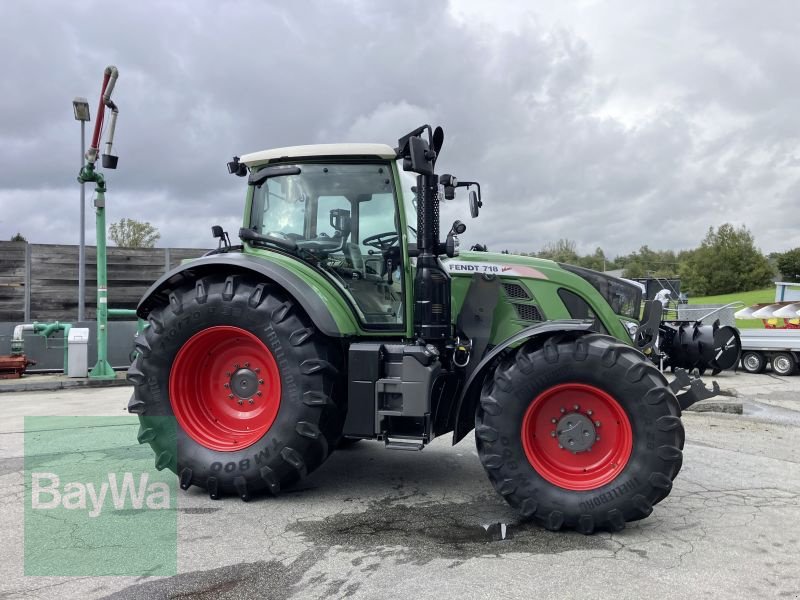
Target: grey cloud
[(524, 112)]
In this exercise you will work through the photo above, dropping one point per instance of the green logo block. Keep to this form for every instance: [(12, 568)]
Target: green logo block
[(94, 502)]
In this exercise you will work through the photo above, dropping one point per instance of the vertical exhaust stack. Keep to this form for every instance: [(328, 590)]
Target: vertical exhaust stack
[(432, 281)]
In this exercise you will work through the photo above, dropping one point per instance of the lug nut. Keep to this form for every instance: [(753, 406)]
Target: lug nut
[(597, 423), (257, 370), (230, 396), (597, 439), (258, 392), (575, 407), (589, 412), (250, 401), (227, 373), (554, 421), (236, 366), (552, 434), (246, 365), (563, 410), (240, 401), (226, 385), (560, 446), (260, 381)]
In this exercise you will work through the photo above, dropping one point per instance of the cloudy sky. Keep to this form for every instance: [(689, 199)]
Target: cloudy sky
[(612, 123)]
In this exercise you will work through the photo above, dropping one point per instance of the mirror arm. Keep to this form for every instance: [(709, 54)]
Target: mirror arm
[(468, 184)]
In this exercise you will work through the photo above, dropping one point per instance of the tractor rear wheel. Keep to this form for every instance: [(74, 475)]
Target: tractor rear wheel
[(235, 388), (579, 432)]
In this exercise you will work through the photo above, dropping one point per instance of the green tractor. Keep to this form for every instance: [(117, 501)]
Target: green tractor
[(342, 316)]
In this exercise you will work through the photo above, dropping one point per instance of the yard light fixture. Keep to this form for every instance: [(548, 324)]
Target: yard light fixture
[(81, 108)]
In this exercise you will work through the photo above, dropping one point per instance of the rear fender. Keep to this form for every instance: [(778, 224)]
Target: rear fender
[(316, 302), (471, 391)]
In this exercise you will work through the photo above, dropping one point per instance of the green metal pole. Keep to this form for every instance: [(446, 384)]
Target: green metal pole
[(102, 369)]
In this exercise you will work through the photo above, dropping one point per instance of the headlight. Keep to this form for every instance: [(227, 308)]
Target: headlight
[(631, 327)]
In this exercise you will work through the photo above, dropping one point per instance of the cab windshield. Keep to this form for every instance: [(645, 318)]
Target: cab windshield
[(343, 219)]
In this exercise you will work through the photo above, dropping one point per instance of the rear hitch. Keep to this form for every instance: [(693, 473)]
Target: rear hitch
[(689, 389)]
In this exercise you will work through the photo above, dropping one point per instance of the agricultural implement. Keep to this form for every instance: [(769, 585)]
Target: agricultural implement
[(342, 316)]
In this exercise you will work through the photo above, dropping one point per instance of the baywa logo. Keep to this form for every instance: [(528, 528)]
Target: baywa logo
[(94, 502), (76, 495)]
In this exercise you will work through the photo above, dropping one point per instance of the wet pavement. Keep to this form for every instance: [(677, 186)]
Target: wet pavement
[(375, 523)]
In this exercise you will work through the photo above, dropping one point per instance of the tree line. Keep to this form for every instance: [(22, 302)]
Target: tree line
[(726, 261)]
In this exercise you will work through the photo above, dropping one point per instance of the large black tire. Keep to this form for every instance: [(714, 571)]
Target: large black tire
[(512, 409), (308, 422), (753, 362)]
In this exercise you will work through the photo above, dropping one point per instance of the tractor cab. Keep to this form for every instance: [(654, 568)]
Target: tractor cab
[(349, 210)]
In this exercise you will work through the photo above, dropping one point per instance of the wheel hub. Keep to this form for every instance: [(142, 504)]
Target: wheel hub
[(576, 432), (751, 362), (244, 383), (576, 436)]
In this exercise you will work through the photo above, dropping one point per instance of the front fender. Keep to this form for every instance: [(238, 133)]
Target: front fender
[(471, 391), (316, 302)]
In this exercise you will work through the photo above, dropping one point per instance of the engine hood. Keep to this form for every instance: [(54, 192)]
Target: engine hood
[(501, 265)]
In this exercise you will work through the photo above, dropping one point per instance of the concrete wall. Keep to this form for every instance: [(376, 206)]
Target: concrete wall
[(49, 353)]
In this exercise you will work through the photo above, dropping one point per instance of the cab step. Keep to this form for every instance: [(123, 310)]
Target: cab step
[(410, 444)]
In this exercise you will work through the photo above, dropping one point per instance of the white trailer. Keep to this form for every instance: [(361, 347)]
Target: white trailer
[(779, 348)]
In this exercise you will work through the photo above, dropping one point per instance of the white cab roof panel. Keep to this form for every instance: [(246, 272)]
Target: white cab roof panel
[(258, 158)]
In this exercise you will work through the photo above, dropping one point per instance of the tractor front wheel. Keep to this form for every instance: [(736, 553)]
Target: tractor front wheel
[(579, 432), (235, 389)]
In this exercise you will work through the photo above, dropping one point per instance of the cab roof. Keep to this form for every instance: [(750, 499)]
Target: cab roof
[(255, 159)]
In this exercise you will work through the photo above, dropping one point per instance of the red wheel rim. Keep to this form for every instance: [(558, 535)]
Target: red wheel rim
[(225, 388), (552, 422)]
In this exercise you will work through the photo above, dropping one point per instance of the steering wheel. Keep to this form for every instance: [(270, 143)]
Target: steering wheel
[(382, 241)]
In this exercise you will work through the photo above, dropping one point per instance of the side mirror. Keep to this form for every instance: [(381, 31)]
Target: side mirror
[(474, 204), (458, 227)]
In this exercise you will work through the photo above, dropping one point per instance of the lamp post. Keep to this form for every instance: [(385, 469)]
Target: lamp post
[(81, 108)]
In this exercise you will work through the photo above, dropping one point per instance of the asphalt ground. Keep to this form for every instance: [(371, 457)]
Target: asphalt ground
[(375, 523)]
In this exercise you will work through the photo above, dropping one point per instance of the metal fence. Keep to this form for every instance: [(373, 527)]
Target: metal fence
[(693, 312)]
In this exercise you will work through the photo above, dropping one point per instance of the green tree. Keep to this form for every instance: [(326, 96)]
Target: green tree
[(634, 270), (727, 261), (130, 233), (596, 261), (18, 237), (646, 262), (561, 251), (789, 265)]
